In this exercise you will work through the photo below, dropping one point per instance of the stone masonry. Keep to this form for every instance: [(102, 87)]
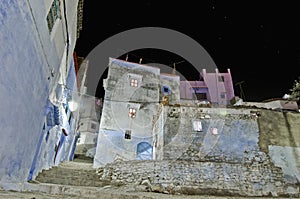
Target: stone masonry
[(255, 178)]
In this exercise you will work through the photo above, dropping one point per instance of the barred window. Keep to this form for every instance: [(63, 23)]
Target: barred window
[(134, 82), (197, 126), (53, 14), (127, 134), (132, 112)]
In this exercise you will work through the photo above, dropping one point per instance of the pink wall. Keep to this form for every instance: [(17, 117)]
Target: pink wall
[(219, 92)]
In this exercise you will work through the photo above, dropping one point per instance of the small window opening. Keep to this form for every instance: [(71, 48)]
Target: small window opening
[(70, 118), (134, 82), (132, 112), (53, 14), (127, 134), (197, 126), (93, 126), (221, 78), (214, 131), (166, 90), (201, 96), (223, 95), (47, 136), (65, 132)]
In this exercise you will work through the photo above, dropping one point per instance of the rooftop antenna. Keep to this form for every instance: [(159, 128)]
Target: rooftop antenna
[(241, 89)]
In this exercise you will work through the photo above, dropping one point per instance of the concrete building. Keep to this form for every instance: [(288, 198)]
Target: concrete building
[(215, 88), (37, 85), (89, 112)]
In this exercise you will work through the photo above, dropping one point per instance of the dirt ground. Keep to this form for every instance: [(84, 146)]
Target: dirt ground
[(113, 194)]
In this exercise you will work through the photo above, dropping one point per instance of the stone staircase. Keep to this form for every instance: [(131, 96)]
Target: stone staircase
[(76, 179), (79, 172)]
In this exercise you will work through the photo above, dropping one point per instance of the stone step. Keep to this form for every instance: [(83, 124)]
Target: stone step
[(69, 191), (71, 173)]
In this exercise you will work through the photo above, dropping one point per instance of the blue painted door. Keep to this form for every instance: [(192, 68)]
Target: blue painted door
[(144, 151)]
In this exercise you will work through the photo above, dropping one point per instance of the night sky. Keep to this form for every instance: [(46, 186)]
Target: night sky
[(258, 40)]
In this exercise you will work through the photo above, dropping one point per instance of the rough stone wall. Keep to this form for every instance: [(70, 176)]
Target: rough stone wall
[(256, 177)]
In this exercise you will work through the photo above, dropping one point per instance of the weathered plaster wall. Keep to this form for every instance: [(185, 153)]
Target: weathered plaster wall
[(115, 117), (279, 129), (27, 55), (112, 146), (280, 138), (23, 88), (119, 97), (117, 85), (237, 133)]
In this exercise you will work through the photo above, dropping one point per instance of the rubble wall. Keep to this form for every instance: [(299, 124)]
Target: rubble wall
[(257, 177)]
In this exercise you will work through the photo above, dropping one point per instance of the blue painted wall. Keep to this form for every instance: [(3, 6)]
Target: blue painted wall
[(26, 56)]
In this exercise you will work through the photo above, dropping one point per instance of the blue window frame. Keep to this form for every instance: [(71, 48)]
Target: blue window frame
[(166, 90)]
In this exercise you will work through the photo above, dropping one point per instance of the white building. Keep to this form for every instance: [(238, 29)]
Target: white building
[(89, 117), (37, 82)]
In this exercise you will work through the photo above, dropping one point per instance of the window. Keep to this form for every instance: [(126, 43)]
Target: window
[(223, 95), (214, 131), (133, 82), (47, 136), (201, 96), (197, 126), (127, 134), (93, 126), (166, 90), (50, 119), (70, 118), (54, 13), (132, 112), (65, 132), (221, 78), (66, 108)]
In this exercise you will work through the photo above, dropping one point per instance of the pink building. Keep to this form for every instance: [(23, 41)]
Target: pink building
[(216, 88)]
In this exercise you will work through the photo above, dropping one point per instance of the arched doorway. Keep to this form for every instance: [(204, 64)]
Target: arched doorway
[(144, 151)]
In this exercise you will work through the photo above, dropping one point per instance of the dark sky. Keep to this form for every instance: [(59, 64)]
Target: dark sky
[(258, 40)]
